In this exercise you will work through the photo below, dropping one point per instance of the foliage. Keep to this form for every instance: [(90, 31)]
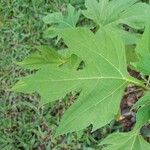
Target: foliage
[(143, 114), (88, 80), (60, 21), (143, 51), (129, 12), (125, 141), (98, 72), (117, 13), (24, 124), (132, 140), (43, 56)]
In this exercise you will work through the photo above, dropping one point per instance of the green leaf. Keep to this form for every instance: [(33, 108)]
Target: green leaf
[(131, 54), (125, 141), (59, 21), (144, 101), (132, 140), (126, 12), (113, 13), (96, 10), (143, 114), (143, 47), (101, 90), (135, 16), (144, 65), (143, 52), (44, 56), (129, 38)]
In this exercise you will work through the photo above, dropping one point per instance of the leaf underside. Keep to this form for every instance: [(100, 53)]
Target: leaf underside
[(101, 90)]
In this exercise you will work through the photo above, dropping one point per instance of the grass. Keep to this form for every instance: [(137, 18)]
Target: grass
[(23, 123)]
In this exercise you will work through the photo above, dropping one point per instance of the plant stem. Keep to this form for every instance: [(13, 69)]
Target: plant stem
[(148, 81), (137, 82)]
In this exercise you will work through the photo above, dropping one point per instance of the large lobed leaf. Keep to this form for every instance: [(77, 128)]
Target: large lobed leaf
[(101, 82)]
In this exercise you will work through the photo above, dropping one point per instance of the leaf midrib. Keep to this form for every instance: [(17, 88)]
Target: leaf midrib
[(85, 78)]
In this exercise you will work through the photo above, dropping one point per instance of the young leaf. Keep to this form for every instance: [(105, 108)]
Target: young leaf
[(101, 82), (125, 141), (59, 21)]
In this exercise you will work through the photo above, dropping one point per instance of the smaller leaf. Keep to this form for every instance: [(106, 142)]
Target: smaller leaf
[(143, 52), (136, 15), (59, 21), (125, 141), (144, 101), (144, 65), (96, 10), (116, 13), (143, 114), (130, 12), (72, 16), (129, 38), (131, 140)]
